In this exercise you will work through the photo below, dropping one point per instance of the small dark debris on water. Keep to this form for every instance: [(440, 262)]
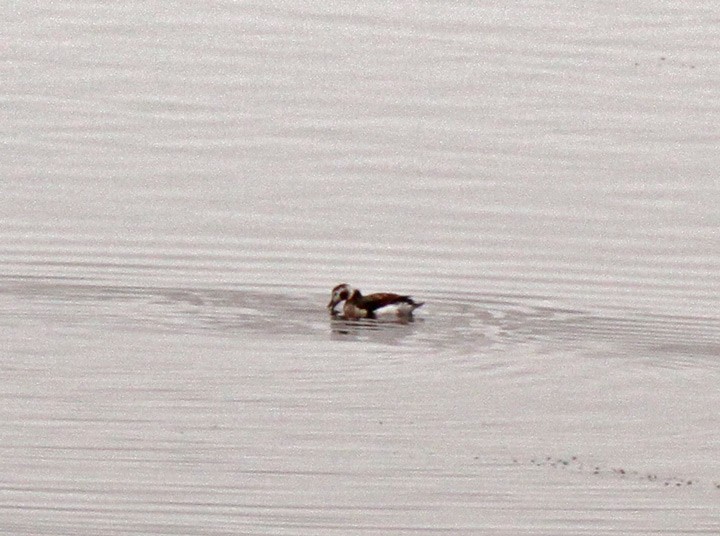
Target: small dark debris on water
[(574, 463)]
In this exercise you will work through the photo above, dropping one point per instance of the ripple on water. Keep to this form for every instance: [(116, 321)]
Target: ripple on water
[(464, 323)]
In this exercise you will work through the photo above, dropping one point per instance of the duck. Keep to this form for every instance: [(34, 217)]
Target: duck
[(371, 306)]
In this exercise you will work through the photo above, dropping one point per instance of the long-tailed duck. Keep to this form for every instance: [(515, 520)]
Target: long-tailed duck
[(371, 306)]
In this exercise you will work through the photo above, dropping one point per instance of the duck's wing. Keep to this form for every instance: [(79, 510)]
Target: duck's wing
[(373, 302)]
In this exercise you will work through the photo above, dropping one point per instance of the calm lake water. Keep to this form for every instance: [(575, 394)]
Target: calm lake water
[(182, 183)]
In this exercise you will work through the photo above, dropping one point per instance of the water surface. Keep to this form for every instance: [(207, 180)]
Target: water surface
[(183, 184)]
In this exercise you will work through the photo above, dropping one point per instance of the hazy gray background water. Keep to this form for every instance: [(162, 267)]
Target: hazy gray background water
[(183, 182)]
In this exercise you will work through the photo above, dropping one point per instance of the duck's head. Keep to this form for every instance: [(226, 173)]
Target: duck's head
[(340, 293)]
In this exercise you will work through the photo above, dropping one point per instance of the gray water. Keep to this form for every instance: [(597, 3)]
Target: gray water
[(182, 183)]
